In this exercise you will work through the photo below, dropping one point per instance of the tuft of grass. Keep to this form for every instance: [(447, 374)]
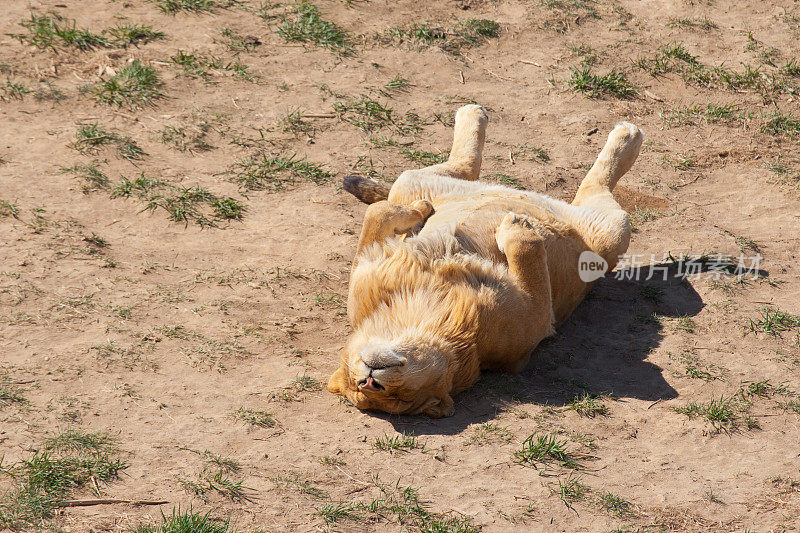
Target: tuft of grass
[(302, 486), (66, 463), (14, 89), (781, 124), (185, 522), (571, 490), (722, 413), (395, 503), (704, 24), (135, 85), (193, 6), (254, 417), (267, 172), (134, 34), (616, 505), (422, 157), (7, 209), (710, 114), (369, 114), (192, 141), (236, 42), (464, 34), (92, 177), (89, 137), (546, 449), (774, 321), (304, 383), (593, 85), (304, 24), (294, 123), (589, 406), (45, 31), (10, 395), (505, 179), (489, 432), (397, 443)]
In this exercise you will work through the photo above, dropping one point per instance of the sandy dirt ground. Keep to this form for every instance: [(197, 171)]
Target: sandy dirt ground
[(203, 350)]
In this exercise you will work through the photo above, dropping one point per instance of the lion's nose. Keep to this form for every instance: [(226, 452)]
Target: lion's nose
[(369, 383)]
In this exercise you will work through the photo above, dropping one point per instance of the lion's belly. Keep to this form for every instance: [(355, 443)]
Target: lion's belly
[(473, 220), (473, 223)]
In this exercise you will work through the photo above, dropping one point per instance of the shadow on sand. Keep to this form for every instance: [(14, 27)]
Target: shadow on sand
[(601, 348)]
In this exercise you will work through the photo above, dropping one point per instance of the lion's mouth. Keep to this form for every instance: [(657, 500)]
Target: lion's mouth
[(370, 384)]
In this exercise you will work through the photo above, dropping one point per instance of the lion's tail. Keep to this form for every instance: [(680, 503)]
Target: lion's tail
[(367, 190)]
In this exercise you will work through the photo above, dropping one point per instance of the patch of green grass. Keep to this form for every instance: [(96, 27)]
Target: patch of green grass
[(304, 24), (134, 34), (192, 141), (546, 449), (780, 124), (267, 172), (135, 85), (774, 321), (570, 490), (710, 114), (182, 204), (9, 395), (685, 323), (791, 68), (490, 432), (7, 209), (14, 89), (472, 32), (254, 417), (423, 157), (45, 31), (505, 179), (369, 114), (593, 85), (304, 383), (186, 522), (762, 389), (300, 485), (294, 123), (193, 6), (397, 443), (396, 85), (616, 505), (704, 24), (399, 504), (589, 405), (92, 177), (722, 413), (652, 293), (77, 441), (792, 405), (51, 474), (464, 34), (89, 137), (236, 42)]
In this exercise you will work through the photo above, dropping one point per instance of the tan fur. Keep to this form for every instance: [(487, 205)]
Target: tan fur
[(452, 275)]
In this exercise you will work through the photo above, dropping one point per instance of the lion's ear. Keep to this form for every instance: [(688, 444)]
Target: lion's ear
[(439, 407), (338, 382)]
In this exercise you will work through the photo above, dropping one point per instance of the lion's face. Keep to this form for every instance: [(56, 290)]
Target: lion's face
[(394, 377)]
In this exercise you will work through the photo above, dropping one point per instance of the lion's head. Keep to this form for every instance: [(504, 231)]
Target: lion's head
[(400, 376)]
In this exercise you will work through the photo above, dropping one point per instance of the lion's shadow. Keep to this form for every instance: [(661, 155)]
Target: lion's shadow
[(601, 348)]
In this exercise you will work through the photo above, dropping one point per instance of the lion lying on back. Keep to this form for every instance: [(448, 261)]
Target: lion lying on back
[(452, 275)]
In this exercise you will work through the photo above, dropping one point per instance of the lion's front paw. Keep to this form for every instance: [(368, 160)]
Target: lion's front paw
[(507, 227), (423, 207)]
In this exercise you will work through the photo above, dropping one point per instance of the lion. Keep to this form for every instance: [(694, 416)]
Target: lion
[(452, 276)]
